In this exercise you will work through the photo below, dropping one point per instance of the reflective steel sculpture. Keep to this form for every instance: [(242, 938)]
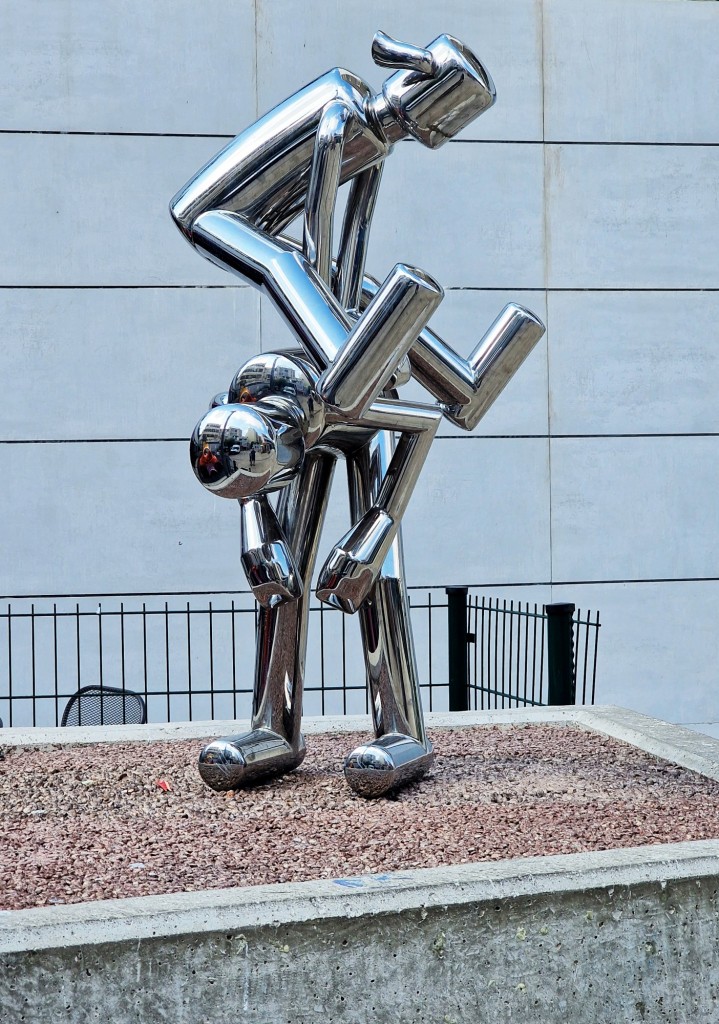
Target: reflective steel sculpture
[(288, 415)]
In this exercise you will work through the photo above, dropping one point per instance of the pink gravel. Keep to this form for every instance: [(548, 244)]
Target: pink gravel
[(89, 823)]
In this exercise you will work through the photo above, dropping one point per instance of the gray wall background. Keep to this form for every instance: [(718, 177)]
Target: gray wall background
[(590, 193)]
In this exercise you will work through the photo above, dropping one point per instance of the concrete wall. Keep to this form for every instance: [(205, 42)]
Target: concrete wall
[(588, 193), (626, 935)]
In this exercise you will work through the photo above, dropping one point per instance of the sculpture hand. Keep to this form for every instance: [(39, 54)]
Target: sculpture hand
[(268, 562), (353, 566), (272, 574)]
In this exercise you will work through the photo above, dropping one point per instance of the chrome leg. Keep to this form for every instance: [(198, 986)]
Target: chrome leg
[(274, 744), (401, 751)]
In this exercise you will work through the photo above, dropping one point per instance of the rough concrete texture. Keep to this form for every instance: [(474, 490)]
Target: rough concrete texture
[(614, 936), (664, 739)]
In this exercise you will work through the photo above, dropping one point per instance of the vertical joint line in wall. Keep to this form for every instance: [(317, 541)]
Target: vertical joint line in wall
[(256, 16), (545, 266), (255, 70)]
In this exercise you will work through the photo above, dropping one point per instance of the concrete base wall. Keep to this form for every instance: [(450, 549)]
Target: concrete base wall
[(619, 935), (614, 936)]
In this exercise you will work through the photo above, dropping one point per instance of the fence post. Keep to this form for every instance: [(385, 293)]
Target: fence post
[(560, 653), (457, 645)]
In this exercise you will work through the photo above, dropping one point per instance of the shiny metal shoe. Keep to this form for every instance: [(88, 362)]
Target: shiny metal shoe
[(232, 762), (389, 762)]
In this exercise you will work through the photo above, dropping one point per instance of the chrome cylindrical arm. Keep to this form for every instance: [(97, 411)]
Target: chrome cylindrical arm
[(354, 564)]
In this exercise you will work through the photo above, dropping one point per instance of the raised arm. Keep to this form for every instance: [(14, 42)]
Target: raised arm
[(263, 172)]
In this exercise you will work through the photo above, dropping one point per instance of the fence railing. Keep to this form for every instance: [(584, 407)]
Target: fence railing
[(505, 654), (192, 658)]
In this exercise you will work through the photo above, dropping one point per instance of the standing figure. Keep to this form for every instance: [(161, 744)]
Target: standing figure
[(287, 416)]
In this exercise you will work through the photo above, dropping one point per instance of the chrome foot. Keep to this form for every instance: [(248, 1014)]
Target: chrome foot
[(386, 764), (232, 762)]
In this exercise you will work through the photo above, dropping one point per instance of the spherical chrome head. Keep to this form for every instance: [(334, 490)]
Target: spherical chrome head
[(434, 107), (237, 451), (285, 378)]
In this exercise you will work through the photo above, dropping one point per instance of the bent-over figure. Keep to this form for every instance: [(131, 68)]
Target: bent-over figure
[(287, 416)]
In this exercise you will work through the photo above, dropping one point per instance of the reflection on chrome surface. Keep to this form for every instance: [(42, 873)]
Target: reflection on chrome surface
[(287, 416)]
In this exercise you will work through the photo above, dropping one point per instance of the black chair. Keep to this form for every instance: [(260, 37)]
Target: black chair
[(104, 705)]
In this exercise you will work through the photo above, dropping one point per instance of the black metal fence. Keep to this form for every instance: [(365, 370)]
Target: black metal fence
[(505, 654), (192, 658)]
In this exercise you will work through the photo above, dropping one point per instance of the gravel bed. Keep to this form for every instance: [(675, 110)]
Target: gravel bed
[(91, 822)]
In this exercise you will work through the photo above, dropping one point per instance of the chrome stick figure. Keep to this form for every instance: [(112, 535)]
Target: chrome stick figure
[(287, 416)]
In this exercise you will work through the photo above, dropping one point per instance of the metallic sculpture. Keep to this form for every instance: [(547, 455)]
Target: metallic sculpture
[(288, 415)]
